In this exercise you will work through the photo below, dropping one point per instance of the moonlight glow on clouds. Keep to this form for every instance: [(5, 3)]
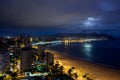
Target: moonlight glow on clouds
[(91, 22)]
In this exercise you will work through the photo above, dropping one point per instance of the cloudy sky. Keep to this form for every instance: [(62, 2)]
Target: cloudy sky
[(38, 17)]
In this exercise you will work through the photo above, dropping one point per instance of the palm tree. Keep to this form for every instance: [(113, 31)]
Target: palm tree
[(55, 68), (61, 68), (70, 72), (86, 76), (75, 75), (73, 68)]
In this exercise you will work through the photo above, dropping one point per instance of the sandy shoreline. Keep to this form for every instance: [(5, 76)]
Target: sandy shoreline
[(96, 72)]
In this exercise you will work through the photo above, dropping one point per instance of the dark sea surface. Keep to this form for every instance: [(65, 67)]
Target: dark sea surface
[(101, 52)]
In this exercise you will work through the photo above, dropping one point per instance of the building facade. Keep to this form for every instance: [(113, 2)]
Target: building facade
[(49, 59), (4, 61), (26, 59)]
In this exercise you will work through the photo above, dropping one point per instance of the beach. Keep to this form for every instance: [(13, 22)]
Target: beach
[(94, 71)]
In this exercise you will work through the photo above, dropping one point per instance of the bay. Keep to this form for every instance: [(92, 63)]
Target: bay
[(101, 52)]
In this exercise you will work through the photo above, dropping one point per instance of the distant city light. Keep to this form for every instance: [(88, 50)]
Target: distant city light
[(47, 42), (8, 37)]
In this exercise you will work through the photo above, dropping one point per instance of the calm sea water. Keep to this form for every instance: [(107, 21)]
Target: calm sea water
[(101, 52)]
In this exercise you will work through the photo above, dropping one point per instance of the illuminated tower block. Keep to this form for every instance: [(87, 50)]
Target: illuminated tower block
[(28, 41)]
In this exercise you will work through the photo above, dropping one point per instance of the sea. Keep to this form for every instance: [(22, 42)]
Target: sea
[(106, 52)]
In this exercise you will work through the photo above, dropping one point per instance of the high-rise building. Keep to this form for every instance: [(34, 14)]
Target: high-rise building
[(3, 43), (26, 58), (14, 59), (28, 41), (1, 62), (49, 59), (4, 61)]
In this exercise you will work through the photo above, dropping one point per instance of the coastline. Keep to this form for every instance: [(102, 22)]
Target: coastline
[(95, 71)]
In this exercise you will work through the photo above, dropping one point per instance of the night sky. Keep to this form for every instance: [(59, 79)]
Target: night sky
[(38, 17)]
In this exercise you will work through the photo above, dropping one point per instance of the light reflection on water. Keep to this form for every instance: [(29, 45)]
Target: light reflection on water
[(87, 49), (66, 44)]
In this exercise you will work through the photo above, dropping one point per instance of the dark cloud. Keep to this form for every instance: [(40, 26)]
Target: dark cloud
[(59, 13)]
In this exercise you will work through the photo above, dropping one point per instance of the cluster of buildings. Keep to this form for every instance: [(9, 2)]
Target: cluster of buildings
[(18, 55)]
